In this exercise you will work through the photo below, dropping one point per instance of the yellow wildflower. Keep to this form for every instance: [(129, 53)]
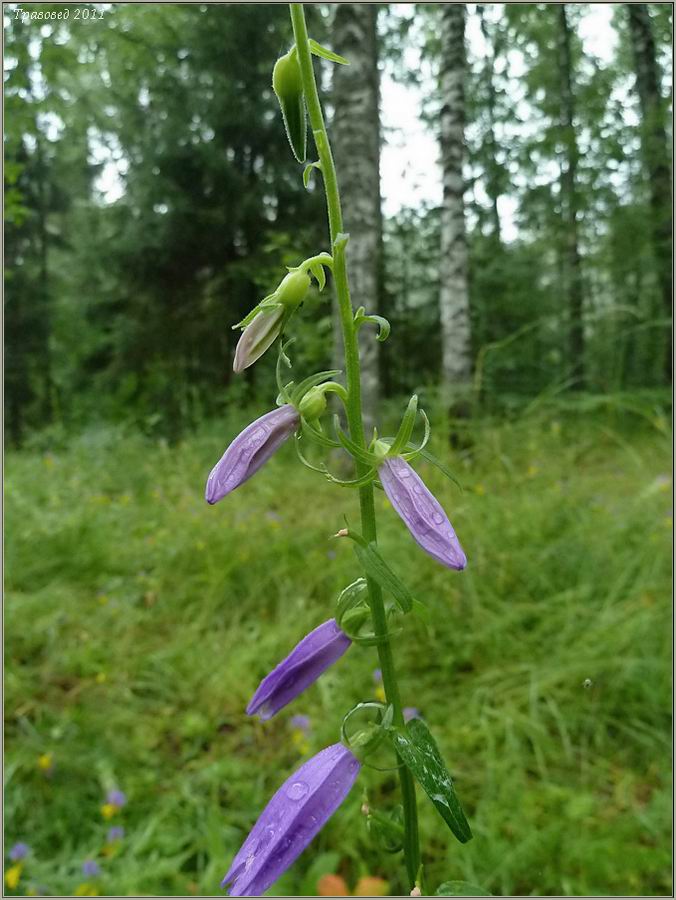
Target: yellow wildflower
[(380, 693), (108, 810), (480, 490), (86, 890), (12, 876), (45, 761)]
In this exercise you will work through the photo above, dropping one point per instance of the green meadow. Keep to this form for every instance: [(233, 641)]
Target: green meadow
[(139, 621)]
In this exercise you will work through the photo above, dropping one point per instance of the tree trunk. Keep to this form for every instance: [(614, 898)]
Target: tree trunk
[(655, 151), (492, 176), (569, 202), (356, 130), (456, 361)]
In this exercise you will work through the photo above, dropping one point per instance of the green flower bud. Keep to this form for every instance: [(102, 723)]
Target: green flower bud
[(287, 84), (313, 404), (292, 289)]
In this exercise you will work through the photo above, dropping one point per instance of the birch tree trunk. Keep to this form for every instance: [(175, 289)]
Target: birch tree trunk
[(655, 152), (356, 139), (569, 201), (456, 360)]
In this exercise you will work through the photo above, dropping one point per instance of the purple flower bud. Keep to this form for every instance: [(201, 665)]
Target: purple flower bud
[(257, 337), (421, 512), (116, 798), (299, 809), (306, 662), (19, 851), (250, 449), (90, 867)]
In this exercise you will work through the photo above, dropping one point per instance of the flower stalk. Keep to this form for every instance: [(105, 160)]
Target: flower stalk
[(353, 411)]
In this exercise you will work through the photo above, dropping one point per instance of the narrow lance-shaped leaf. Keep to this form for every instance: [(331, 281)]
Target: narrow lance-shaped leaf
[(417, 748), (318, 50), (376, 567)]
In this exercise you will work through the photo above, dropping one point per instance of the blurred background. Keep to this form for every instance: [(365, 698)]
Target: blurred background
[(506, 179)]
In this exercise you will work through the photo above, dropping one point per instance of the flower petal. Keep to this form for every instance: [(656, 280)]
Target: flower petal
[(250, 450), (257, 337), (292, 818), (307, 661), (421, 512)]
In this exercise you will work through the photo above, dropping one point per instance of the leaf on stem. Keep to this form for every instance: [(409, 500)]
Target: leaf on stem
[(418, 749), (376, 567), (318, 50)]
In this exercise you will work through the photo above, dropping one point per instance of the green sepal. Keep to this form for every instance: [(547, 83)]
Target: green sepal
[(318, 50), (307, 171), (308, 465), (359, 453), (317, 270), (383, 325), (437, 462), (461, 889), (421, 446), (420, 611), (314, 432), (287, 83), (351, 596), (365, 479), (403, 436), (268, 302), (311, 381), (376, 567), (419, 752)]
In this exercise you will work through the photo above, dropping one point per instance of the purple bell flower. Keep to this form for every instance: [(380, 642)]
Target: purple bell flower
[(307, 661), (250, 450), (421, 512), (299, 809)]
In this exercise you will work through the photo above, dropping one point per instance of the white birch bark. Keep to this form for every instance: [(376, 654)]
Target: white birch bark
[(456, 359), (356, 142)]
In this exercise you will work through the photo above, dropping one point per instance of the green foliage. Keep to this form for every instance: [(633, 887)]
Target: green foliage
[(139, 621)]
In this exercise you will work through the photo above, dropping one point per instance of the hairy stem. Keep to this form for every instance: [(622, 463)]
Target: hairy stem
[(353, 411)]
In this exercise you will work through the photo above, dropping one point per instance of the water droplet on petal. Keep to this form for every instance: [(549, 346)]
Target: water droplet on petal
[(297, 790)]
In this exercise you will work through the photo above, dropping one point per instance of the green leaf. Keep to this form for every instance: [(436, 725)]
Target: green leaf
[(318, 50), (461, 889), (419, 751), (307, 171), (376, 567), (359, 453)]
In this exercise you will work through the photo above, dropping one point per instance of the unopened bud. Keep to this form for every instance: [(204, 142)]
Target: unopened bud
[(313, 404), (287, 83), (258, 335), (342, 533), (416, 892), (292, 289)]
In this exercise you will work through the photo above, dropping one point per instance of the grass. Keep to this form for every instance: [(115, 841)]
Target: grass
[(139, 621)]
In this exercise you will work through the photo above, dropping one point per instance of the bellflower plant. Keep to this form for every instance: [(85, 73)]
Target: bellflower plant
[(374, 607)]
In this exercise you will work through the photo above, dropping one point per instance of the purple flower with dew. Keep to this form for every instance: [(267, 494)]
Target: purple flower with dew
[(313, 655), (257, 337), (410, 712), (90, 867), (116, 833), (250, 450), (301, 723), (19, 851), (299, 809), (116, 798), (421, 512)]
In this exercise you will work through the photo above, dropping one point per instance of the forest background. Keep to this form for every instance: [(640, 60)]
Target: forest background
[(150, 201)]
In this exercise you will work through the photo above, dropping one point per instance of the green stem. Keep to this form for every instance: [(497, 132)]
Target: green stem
[(353, 412)]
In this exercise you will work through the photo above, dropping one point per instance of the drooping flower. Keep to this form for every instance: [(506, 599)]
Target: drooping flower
[(20, 850), (421, 512), (294, 815), (250, 450), (307, 661)]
